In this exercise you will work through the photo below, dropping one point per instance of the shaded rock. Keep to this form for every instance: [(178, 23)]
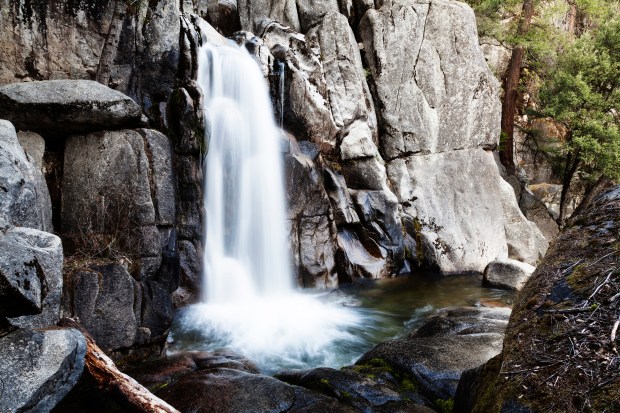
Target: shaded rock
[(525, 241), (536, 211), (452, 341), (570, 298), (39, 368), (224, 16), (458, 218), (365, 388), (31, 277), (67, 106), (118, 191), (25, 201), (252, 12), (312, 12), (34, 146), (225, 390), (360, 255), (496, 54), (509, 274), (156, 311), (107, 302)]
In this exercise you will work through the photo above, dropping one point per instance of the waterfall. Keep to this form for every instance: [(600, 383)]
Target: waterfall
[(246, 252), (249, 303)]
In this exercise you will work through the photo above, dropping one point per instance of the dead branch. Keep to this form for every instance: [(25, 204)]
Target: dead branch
[(117, 384)]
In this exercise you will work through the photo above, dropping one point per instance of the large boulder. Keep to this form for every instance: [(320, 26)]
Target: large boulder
[(39, 368), (30, 277), (119, 196), (26, 200), (107, 302), (450, 342), (559, 353), (509, 274), (454, 198), (61, 107)]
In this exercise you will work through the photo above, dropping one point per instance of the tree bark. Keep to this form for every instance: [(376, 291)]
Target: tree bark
[(125, 390), (108, 52), (572, 163), (511, 85), (572, 17)]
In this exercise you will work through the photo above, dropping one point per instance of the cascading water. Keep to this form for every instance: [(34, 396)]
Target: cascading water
[(250, 304)]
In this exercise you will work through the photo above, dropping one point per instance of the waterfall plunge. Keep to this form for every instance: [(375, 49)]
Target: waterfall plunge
[(250, 304), (244, 196)]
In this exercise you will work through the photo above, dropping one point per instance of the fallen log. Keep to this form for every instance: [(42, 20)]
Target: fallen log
[(122, 388)]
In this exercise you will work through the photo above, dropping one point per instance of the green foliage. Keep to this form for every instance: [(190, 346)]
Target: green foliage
[(444, 406), (582, 91)]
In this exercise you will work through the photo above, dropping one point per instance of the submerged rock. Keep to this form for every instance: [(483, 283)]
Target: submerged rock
[(63, 107), (39, 368), (452, 341)]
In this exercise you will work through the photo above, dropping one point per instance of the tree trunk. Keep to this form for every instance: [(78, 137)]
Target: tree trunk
[(572, 17), (125, 390), (511, 85), (572, 163), (108, 52)]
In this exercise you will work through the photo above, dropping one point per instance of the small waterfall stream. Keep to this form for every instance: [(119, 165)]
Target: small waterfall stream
[(249, 303)]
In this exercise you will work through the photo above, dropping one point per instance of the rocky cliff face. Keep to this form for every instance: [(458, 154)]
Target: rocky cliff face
[(392, 104)]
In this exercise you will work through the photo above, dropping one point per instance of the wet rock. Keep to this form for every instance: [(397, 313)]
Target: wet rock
[(30, 277), (39, 368), (225, 390), (452, 341), (525, 241), (509, 274), (26, 200), (106, 299), (67, 106), (366, 389)]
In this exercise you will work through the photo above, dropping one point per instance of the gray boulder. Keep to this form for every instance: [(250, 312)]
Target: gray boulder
[(39, 368), (107, 302), (450, 342), (536, 211), (67, 106), (455, 199), (509, 274), (26, 200), (525, 241), (34, 146), (32, 264), (118, 194)]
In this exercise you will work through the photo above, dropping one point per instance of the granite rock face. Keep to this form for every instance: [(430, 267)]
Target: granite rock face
[(38, 259), (26, 200), (67, 107), (39, 368)]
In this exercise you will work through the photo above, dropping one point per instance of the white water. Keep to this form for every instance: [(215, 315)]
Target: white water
[(250, 304)]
